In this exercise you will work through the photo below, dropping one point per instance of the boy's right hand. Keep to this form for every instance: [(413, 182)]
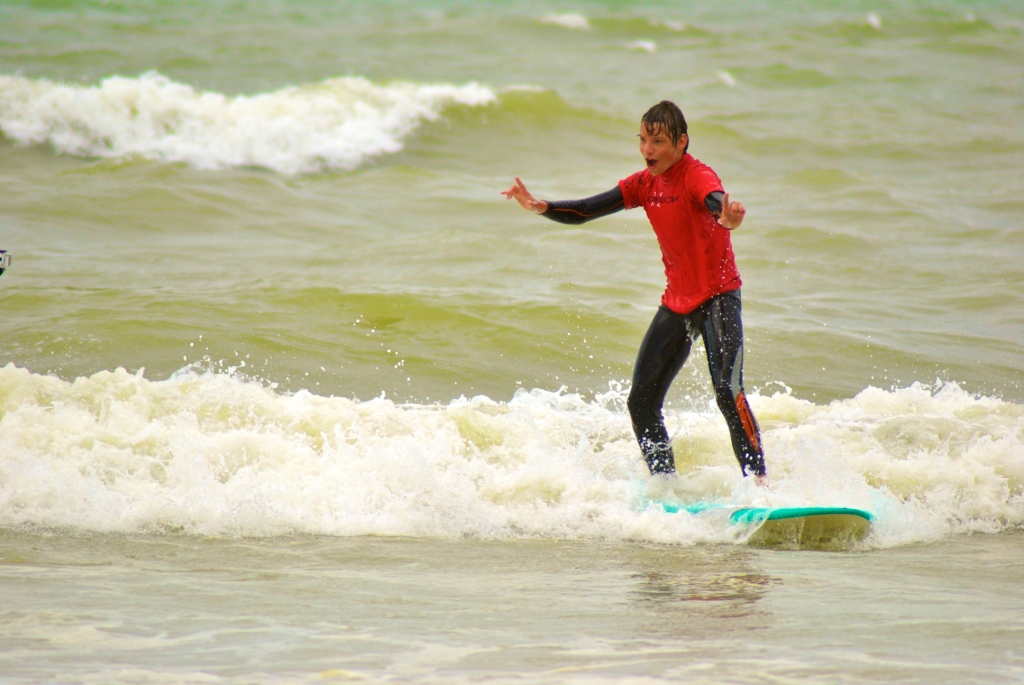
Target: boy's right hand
[(521, 195)]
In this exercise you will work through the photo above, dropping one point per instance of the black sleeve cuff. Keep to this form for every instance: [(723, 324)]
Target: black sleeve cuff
[(714, 202)]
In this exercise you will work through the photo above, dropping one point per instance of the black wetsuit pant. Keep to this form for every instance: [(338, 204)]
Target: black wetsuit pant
[(663, 353)]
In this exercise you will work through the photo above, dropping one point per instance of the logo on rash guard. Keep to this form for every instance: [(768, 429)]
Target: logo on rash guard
[(658, 200)]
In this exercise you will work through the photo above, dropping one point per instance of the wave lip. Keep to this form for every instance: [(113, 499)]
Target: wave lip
[(335, 124)]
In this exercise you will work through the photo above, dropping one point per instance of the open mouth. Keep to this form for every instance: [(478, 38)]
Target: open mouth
[(650, 162)]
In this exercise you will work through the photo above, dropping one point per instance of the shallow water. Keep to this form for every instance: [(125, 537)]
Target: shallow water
[(94, 608)]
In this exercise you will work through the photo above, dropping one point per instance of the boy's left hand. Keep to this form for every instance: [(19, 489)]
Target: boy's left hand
[(732, 213)]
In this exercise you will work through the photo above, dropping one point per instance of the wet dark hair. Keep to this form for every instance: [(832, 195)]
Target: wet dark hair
[(669, 118)]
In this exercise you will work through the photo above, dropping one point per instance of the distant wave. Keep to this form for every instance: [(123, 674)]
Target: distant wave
[(211, 453), (335, 124), (573, 21)]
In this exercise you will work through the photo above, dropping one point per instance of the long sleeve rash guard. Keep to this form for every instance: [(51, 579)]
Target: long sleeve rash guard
[(608, 202)]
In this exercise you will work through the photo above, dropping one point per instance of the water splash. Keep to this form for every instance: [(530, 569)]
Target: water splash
[(213, 453)]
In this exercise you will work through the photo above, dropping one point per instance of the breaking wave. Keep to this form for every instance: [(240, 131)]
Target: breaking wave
[(335, 124), (211, 453)]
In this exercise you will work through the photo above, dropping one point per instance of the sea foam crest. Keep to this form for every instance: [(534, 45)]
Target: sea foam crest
[(577, 22), (334, 124), (215, 454)]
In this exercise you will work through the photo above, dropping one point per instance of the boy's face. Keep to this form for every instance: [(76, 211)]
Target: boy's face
[(658, 151)]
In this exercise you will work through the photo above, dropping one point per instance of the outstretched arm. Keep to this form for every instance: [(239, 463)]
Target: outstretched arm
[(568, 211)]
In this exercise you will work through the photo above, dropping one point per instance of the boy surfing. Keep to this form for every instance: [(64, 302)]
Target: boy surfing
[(692, 216)]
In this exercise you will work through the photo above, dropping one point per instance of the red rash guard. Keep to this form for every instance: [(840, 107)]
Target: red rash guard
[(696, 249)]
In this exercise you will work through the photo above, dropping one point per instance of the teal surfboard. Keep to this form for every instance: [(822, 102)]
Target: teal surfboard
[(796, 527)]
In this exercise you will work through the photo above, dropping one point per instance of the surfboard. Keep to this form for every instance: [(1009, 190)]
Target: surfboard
[(794, 527)]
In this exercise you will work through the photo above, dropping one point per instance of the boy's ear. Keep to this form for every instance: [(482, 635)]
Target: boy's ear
[(684, 140)]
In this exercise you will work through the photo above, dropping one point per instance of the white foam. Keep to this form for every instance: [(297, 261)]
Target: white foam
[(648, 46), (577, 22), (727, 78), (335, 124), (215, 454), (669, 24)]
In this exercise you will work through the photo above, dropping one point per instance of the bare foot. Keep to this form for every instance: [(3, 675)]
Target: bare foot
[(762, 481)]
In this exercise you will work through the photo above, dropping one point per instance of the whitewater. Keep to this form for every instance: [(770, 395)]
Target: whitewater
[(332, 125), (207, 453)]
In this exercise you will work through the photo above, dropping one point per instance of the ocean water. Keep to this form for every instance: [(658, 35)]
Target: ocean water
[(290, 393)]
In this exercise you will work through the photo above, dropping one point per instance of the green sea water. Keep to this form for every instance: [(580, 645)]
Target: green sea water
[(265, 289), (881, 167)]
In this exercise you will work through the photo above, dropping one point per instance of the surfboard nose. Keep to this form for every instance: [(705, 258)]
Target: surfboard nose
[(821, 528)]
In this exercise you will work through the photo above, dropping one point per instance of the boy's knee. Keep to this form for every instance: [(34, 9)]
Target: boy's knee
[(637, 403), (644, 410)]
